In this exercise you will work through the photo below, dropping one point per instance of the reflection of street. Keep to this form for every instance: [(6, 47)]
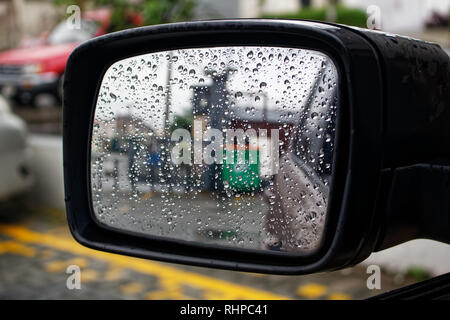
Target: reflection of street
[(36, 249), (217, 197), (236, 221), (162, 207)]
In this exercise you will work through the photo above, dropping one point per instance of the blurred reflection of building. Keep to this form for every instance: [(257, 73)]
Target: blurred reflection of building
[(210, 102), (261, 119), (128, 127), (114, 135), (201, 104), (209, 106), (212, 106)]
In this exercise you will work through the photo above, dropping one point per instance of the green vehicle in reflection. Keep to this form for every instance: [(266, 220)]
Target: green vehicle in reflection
[(241, 176)]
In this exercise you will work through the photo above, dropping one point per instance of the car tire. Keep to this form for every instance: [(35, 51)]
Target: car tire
[(23, 99)]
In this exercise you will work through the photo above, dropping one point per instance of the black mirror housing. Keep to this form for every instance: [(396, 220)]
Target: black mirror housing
[(395, 111)]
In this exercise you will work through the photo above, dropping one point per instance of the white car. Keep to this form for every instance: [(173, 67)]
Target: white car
[(15, 154)]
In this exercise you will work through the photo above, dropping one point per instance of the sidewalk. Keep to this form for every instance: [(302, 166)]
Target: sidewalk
[(431, 256)]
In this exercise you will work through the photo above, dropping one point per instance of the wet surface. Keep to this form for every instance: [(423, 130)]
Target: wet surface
[(36, 250)]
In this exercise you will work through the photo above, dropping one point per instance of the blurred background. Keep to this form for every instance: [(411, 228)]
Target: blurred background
[(35, 244)]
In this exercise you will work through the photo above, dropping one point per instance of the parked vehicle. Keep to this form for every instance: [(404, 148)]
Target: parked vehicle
[(39, 68), (15, 154)]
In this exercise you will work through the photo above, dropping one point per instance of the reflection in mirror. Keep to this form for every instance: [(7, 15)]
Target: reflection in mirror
[(230, 146)]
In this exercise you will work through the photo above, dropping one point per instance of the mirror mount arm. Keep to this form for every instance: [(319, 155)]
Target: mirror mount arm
[(417, 206)]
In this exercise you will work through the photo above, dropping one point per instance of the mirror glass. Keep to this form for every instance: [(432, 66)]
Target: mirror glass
[(231, 146)]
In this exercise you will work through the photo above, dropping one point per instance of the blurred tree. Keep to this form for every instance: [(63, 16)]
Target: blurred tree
[(129, 14), (124, 14), (182, 122), (343, 15), (165, 11)]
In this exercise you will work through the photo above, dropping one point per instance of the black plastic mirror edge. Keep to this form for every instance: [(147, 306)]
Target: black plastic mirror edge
[(358, 153), (415, 198)]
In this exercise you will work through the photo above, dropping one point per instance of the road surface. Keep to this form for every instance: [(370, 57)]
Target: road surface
[(36, 249)]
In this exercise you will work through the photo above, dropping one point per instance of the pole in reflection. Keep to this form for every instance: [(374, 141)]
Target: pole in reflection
[(116, 174)]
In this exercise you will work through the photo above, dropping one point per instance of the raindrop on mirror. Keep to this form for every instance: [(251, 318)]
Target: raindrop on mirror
[(228, 146)]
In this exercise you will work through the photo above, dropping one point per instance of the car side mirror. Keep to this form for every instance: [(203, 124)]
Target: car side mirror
[(271, 146)]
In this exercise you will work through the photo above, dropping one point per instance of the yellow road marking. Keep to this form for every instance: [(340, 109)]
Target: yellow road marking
[(311, 290), (338, 296), (88, 275), (46, 254), (113, 274), (256, 274), (131, 288), (147, 195), (61, 265), (170, 289), (17, 248), (165, 273)]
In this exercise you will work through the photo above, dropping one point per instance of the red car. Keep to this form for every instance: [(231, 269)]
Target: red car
[(28, 71)]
